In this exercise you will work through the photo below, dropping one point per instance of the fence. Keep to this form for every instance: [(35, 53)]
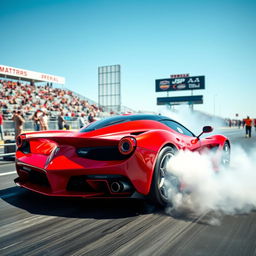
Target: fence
[(8, 126), (7, 155), (8, 129)]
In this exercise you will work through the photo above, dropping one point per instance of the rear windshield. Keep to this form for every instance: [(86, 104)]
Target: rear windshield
[(117, 120)]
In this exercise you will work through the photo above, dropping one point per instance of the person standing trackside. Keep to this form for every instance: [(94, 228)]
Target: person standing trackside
[(61, 121), (248, 127), (43, 122), (82, 120), (18, 123), (91, 117), (1, 126), (36, 120)]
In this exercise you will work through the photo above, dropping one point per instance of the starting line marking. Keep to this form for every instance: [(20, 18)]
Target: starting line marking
[(7, 173)]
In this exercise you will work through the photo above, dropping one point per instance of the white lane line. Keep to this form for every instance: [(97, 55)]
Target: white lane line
[(4, 164), (7, 173)]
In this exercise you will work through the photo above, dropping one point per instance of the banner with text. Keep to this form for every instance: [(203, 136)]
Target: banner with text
[(180, 84), (27, 75)]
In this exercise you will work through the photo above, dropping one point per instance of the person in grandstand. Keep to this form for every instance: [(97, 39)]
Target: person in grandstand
[(44, 121), (1, 126), (61, 121), (36, 120), (18, 122), (248, 126)]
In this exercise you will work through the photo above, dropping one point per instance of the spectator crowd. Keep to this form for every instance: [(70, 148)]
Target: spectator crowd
[(20, 102), (29, 98)]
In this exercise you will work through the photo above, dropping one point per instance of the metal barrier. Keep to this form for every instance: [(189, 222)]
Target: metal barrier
[(8, 126), (4, 155), (8, 129)]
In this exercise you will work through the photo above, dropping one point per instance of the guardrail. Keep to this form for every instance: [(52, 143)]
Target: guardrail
[(6, 155), (8, 126)]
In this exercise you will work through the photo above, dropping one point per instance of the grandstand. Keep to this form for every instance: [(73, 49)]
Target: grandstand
[(28, 98), (19, 92), (32, 92)]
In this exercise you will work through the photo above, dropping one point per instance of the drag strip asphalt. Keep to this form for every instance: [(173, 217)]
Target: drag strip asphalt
[(33, 224)]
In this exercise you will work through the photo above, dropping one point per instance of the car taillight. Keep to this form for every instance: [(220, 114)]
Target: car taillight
[(126, 145), (20, 139)]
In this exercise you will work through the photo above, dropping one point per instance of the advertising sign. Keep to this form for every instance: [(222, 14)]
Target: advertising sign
[(196, 99), (180, 84), (28, 75)]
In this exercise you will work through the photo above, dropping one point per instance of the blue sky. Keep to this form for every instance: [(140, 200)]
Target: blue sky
[(150, 39)]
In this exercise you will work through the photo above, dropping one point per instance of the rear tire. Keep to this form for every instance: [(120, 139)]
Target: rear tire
[(163, 181)]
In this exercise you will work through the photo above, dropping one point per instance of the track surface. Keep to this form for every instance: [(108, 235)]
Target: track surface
[(32, 224)]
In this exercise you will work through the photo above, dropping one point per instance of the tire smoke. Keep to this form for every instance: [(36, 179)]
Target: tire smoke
[(230, 190)]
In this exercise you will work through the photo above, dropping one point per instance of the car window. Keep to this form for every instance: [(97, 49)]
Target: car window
[(103, 123), (117, 120), (177, 127)]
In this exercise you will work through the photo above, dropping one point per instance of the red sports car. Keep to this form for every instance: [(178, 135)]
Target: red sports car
[(120, 156)]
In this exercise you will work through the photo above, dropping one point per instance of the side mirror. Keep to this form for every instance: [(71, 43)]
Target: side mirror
[(206, 129)]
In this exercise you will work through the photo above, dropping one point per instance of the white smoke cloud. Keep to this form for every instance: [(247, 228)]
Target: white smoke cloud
[(231, 190), (193, 120)]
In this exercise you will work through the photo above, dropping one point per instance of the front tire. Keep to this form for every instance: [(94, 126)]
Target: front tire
[(163, 181), (225, 157)]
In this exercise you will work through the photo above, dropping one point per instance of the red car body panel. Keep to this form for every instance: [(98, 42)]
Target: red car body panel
[(53, 164)]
